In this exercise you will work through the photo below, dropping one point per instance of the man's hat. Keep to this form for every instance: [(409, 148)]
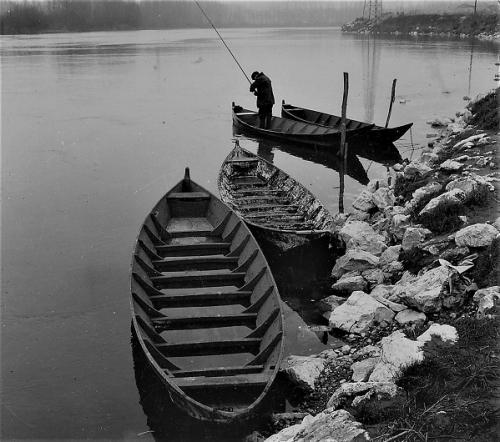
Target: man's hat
[(254, 75)]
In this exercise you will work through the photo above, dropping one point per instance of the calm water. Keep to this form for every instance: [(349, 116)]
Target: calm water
[(97, 126)]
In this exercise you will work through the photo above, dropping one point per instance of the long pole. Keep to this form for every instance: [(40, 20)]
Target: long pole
[(220, 36), (393, 96), (343, 144)]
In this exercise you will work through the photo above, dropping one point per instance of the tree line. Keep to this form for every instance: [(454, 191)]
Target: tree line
[(97, 15)]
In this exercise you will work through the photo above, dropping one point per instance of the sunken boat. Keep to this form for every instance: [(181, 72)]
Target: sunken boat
[(367, 131), (277, 207), (293, 131), (205, 307)]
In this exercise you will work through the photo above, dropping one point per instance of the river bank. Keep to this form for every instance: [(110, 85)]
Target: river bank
[(414, 299), (481, 26)]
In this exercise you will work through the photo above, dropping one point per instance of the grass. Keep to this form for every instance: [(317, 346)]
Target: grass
[(485, 111), (450, 394)]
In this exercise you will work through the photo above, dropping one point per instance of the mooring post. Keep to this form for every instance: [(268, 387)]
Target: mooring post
[(343, 144), (393, 95)]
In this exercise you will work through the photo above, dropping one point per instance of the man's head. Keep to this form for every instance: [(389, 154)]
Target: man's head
[(255, 74)]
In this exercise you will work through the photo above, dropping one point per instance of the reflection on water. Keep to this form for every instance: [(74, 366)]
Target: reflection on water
[(96, 127)]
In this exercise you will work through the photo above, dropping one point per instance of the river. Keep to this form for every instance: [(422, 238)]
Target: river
[(96, 127)]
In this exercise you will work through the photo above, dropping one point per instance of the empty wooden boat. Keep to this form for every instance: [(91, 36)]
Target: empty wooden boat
[(205, 306), (370, 132), (271, 202), (293, 131)]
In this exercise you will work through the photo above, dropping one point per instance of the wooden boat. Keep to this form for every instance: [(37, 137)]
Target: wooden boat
[(205, 306), (293, 131), (373, 132), (270, 201)]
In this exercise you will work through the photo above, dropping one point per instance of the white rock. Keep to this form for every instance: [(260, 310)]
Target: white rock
[(383, 198), (371, 397), (414, 236), (362, 370), (376, 184), (360, 235), (477, 235), (350, 284), (469, 185), (354, 260), (328, 426), (364, 202), (416, 168), (444, 332), (423, 292), (488, 300), (474, 139), (359, 313), (389, 255), (430, 189), (398, 352), (382, 291), (451, 166), (303, 370), (452, 197), (400, 223), (394, 306), (410, 316), (373, 276)]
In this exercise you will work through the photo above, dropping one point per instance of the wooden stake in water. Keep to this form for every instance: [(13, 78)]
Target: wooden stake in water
[(343, 144), (393, 95)]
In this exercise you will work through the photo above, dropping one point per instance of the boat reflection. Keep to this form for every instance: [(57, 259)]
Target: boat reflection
[(382, 153), (319, 156)]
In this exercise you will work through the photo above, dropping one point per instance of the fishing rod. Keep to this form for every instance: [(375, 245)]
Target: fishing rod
[(220, 36)]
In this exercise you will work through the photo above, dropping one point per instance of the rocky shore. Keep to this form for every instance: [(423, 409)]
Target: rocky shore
[(481, 26), (415, 299)]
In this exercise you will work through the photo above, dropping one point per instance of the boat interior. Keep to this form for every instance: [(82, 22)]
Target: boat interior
[(205, 304)]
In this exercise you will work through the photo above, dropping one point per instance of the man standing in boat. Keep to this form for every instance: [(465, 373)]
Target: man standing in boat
[(261, 87)]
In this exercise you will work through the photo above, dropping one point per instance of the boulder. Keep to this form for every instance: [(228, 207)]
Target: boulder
[(383, 198), (414, 236), (303, 370), (423, 292), (389, 255), (472, 141), (349, 284), (455, 197), (416, 168), (398, 352), (477, 235), (359, 313), (362, 370), (382, 291), (394, 306), (488, 301), (373, 277), (328, 426), (399, 224), (444, 332), (451, 166), (410, 317), (354, 260), (364, 202), (360, 235), (472, 185), (369, 398), (496, 224)]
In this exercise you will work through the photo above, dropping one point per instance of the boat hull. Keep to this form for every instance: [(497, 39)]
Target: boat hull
[(206, 310), (374, 133), (292, 131)]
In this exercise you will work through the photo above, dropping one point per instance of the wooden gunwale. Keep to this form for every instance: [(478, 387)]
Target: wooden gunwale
[(293, 131), (321, 119), (261, 310), (223, 185)]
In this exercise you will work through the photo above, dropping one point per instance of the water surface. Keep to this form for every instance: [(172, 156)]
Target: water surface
[(96, 127)]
